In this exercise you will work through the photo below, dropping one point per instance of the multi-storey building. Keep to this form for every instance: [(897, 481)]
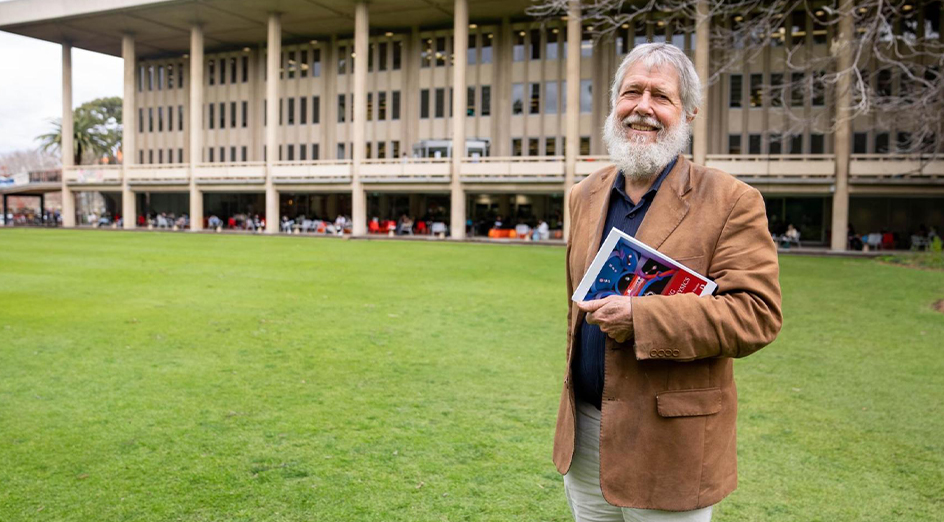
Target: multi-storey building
[(319, 108)]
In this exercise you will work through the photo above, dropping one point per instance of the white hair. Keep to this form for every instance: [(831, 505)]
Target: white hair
[(659, 54)]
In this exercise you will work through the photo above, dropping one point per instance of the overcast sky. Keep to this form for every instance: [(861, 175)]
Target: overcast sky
[(31, 86)]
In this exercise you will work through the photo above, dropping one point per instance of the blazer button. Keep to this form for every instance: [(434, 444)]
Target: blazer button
[(675, 353), (652, 353), (661, 353)]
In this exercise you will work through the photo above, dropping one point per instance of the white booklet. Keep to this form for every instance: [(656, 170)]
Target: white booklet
[(627, 266)]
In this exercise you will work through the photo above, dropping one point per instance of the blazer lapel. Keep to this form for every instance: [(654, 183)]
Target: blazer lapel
[(669, 206), (599, 203)]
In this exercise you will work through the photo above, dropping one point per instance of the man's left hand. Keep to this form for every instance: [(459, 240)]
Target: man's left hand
[(613, 314)]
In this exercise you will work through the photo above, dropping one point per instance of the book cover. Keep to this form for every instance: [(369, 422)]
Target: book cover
[(627, 266)]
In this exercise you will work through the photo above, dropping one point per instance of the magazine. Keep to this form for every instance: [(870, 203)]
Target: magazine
[(626, 266)]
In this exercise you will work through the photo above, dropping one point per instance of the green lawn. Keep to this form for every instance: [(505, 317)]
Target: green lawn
[(158, 376)]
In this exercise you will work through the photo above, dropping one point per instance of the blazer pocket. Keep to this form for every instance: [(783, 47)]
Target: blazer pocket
[(689, 403)]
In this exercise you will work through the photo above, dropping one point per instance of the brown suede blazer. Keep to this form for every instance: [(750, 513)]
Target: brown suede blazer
[(667, 435)]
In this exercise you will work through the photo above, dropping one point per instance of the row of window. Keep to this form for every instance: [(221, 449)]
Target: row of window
[(160, 156), (550, 146), (800, 86), (160, 77), (381, 111), (794, 143), (242, 73), (387, 52), (552, 97), (159, 120)]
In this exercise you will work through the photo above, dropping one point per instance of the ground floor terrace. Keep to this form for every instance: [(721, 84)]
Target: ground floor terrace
[(891, 198)]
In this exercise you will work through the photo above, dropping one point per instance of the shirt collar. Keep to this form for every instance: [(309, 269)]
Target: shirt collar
[(619, 184)]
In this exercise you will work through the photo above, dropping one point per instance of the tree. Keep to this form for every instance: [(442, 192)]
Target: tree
[(892, 42), (96, 131)]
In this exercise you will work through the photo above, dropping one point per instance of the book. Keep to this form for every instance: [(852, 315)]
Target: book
[(626, 266)]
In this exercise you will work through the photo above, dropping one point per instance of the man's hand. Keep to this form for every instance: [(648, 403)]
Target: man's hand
[(613, 314)]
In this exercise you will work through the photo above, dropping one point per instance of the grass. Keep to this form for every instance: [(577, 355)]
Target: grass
[(157, 376), (926, 260)]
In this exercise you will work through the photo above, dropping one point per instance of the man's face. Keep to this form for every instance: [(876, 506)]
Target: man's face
[(650, 99)]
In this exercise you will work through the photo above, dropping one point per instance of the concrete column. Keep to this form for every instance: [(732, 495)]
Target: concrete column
[(460, 58), (842, 142), (273, 54), (572, 118), (128, 211), (358, 196), (67, 145), (196, 125), (700, 131)]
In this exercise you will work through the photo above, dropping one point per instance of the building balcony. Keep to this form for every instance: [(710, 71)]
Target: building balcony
[(93, 175), (235, 173), (164, 174), (407, 170), (517, 169), (766, 168), (895, 169), (312, 172)]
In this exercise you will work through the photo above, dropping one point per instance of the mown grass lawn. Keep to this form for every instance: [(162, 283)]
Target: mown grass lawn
[(158, 376)]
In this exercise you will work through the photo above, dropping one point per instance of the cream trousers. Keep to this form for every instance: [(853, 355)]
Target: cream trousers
[(582, 482)]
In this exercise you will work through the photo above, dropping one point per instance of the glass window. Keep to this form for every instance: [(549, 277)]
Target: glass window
[(232, 153), (860, 143), (736, 93), (222, 115), (753, 144), (586, 95), (904, 141), (881, 143), (470, 101), (397, 54), (232, 70), (342, 112), (245, 68), (550, 146), (798, 26), (302, 151), (584, 145), (315, 151), (487, 47), (150, 71), (395, 149), (209, 150), (440, 51), (180, 156), (395, 105), (170, 118), (232, 115), (734, 143), (424, 103), (222, 78), (140, 120), (775, 145), (486, 100), (884, 85), (470, 50), (776, 89), (796, 144), (535, 44), (245, 114), (586, 45), (440, 102), (550, 97), (796, 89), (170, 76), (180, 76), (517, 98), (141, 86), (160, 77), (342, 59), (292, 64), (316, 63), (367, 150), (381, 106), (370, 57), (517, 50), (303, 70), (817, 143), (370, 107), (533, 147), (180, 117), (535, 103), (426, 53), (516, 146), (291, 152), (819, 88), (756, 93), (550, 48), (302, 110), (316, 109), (382, 56), (341, 151)]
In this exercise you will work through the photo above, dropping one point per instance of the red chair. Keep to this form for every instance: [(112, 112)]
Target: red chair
[(231, 222), (373, 227), (421, 227), (888, 241)]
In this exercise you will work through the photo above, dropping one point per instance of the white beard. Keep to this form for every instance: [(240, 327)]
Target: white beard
[(639, 160)]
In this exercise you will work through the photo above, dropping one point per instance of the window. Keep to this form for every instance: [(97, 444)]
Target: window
[(517, 51), (753, 144), (756, 92), (819, 89), (884, 85), (140, 120), (550, 146), (232, 73), (245, 111), (736, 91), (245, 68), (180, 117), (160, 86), (140, 157), (903, 141), (734, 143), (180, 76), (368, 149), (151, 120), (222, 154), (775, 145), (424, 103), (382, 56), (517, 98), (222, 115), (222, 82), (395, 105), (160, 155), (426, 53), (881, 143), (397, 55), (342, 58), (291, 152), (550, 97), (180, 155), (315, 151), (550, 48), (291, 111), (516, 147), (486, 100), (316, 63), (141, 88), (533, 147), (232, 115), (151, 156), (585, 145), (776, 89), (291, 68), (798, 26), (394, 149), (381, 106), (316, 109), (370, 107), (470, 53), (243, 153), (150, 71), (341, 109), (302, 152), (370, 57), (796, 144), (381, 150), (586, 45), (796, 90), (586, 95), (817, 143), (303, 72), (860, 143), (302, 110), (232, 153), (487, 47), (170, 118), (535, 103), (210, 152), (170, 77), (440, 102), (440, 51), (470, 101), (535, 42)]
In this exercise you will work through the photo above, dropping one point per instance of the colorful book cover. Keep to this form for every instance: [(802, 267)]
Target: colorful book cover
[(626, 266)]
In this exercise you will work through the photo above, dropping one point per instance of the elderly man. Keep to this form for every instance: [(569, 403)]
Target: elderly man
[(646, 425)]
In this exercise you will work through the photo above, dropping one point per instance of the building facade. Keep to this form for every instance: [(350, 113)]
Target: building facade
[(290, 108)]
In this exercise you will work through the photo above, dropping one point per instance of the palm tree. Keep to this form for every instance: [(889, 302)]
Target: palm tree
[(96, 130)]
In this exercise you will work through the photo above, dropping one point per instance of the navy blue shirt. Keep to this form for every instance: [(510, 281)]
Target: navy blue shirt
[(590, 345)]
